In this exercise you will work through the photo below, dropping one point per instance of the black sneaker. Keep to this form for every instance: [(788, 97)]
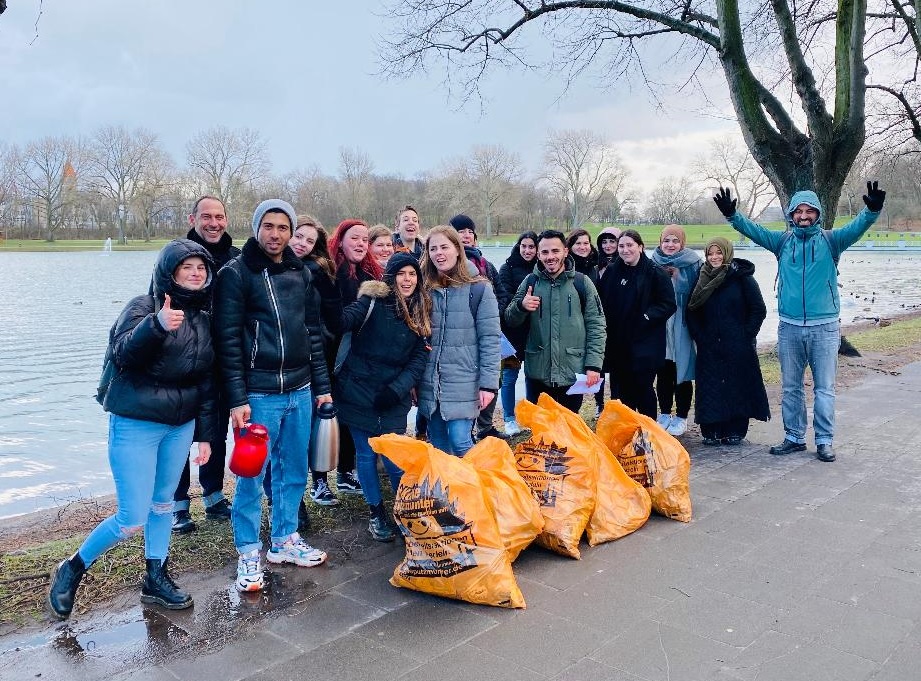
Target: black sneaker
[(219, 510), (732, 441), (825, 453), (787, 447), (322, 494), (348, 483), (492, 431), (182, 522), (711, 441)]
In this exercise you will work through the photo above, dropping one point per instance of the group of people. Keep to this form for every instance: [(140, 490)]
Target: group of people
[(253, 335)]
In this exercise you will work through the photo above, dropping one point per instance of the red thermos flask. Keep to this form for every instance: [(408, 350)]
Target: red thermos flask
[(250, 447)]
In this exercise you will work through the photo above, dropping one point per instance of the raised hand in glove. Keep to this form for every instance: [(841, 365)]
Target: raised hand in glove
[(874, 197), (725, 202), (385, 399)]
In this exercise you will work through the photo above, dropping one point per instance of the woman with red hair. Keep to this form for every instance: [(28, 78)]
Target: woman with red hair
[(350, 250)]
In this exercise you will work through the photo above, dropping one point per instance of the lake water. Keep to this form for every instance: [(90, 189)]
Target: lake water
[(56, 310)]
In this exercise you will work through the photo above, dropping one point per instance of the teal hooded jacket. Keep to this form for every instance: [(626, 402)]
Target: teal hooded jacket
[(807, 288)]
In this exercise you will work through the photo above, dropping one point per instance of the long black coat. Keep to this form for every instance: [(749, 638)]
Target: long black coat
[(644, 322), (725, 328), (384, 354)]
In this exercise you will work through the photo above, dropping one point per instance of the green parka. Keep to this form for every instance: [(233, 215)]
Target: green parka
[(562, 340)]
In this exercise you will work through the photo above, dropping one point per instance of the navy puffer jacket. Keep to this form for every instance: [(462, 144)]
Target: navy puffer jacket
[(166, 377)]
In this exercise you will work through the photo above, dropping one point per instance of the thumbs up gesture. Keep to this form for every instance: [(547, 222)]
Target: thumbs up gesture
[(530, 302), (169, 318)]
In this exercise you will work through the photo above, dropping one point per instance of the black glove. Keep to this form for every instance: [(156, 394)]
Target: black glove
[(725, 202), (385, 399), (874, 197)]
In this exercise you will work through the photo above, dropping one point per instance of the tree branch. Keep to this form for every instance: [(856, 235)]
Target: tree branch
[(910, 113)]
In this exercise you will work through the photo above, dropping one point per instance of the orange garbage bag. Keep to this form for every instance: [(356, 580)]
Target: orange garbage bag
[(517, 512), (562, 475), (650, 456), (622, 505), (453, 546)]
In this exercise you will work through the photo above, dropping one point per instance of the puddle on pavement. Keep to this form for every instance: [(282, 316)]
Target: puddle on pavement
[(147, 635)]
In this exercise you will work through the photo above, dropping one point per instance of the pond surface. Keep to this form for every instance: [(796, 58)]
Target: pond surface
[(56, 310)]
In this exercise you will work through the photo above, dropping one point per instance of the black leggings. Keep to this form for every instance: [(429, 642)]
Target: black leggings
[(667, 390)]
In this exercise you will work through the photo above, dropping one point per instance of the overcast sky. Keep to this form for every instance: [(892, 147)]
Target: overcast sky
[(304, 75)]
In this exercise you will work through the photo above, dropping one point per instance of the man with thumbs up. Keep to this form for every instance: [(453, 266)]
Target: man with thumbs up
[(566, 334)]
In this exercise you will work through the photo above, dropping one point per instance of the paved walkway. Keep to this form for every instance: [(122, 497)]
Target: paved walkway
[(791, 570)]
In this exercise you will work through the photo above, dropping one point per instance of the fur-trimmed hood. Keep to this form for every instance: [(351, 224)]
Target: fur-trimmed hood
[(374, 289)]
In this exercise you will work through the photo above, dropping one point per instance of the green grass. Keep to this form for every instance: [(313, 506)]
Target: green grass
[(67, 245)]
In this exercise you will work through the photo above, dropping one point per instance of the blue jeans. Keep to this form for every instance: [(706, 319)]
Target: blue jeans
[(366, 466), (817, 347), (452, 437), (507, 392), (146, 459), (288, 418)]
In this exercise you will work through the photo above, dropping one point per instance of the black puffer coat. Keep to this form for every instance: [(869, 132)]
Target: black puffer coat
[(636, 339), (725, 328), (267, 326), (514, 270), (385, 354), (166, 377)]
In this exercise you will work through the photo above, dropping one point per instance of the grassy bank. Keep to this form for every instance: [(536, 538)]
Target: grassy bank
[(31, 545), (698, 235)]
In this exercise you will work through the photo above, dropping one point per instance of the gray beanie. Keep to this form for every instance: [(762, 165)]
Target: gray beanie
[(273, 204)]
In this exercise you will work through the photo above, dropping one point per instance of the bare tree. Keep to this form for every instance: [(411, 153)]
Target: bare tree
[(117, 159), (490, 172), (227, 163), (48, 173), (355, 168), (582, 166), (727, 163), (797, 144), (155, 191), (897, 42), (671, 200), (8, 187)]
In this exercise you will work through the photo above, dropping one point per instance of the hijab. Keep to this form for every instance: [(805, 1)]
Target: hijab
[(711, 278)]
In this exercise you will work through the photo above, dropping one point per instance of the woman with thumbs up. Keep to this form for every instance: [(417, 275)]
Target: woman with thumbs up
[(160, 400)]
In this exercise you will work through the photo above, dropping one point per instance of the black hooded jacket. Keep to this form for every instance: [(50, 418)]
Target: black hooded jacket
[(267, 326), (514, 270), (166, 377)]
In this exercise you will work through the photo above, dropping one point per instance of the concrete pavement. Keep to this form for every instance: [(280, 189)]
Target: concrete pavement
[(791, 570)]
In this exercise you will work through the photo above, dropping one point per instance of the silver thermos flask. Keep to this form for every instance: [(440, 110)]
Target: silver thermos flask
[(324, 439)]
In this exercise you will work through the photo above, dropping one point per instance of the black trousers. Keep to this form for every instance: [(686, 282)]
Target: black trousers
[(669, 391), (636, 390), (572, 402)]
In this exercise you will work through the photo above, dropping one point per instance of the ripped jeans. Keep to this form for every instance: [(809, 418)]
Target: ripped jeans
[(146, 459)]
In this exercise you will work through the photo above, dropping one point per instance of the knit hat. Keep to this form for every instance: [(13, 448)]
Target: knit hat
[(273, 204), (674, 230), (400, 260), (462, 221)]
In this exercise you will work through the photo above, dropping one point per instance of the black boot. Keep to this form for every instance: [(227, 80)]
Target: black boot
[(160, 589), (65, 579), (378, 526)]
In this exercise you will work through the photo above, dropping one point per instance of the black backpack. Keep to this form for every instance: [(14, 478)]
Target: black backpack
[(109, 368)]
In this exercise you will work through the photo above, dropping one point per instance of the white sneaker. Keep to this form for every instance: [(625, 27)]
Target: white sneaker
[(249, 572), (295, 550), (678, 426), (513, 428), (664, 420)]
